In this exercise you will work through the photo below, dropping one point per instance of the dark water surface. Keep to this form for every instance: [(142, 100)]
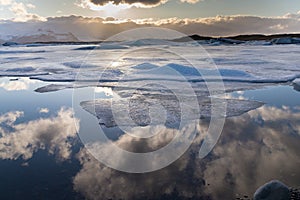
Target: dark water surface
[(41, 156)]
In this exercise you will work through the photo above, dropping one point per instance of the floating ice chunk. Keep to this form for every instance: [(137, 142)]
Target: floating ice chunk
[(296, 81), (57, 87), (19, 52), (296, 84), (258, 42), (286, 40), (103, 47), (92, 76), (200, 88), (225, 41), (273, 190), (139, 110), (112, 46), (52, 88), (87, 48)]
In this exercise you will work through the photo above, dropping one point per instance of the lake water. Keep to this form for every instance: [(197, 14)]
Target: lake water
[(42, 156)]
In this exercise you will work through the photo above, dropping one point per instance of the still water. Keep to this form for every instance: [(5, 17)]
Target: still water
[(43, 158)]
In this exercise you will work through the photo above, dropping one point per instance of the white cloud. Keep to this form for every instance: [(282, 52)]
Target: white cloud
[(10, 118), (18, 8), (190, 1), (24, 139), (44, 110), (31, 6), (5, 2), (16, 85), (20, 12)]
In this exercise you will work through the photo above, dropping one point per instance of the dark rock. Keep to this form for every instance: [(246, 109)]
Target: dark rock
[(273, 190)]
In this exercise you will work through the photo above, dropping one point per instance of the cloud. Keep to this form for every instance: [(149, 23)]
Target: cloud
[(19, 9), (20, 84), (190, 1), (253, 149), (14, 86), (87, 28), (257, 148), (9, 119), (5, 2), (117, 2), (44, 110), (96, 181), (24, 139), (21, 13), (137, 3), (31, 6)]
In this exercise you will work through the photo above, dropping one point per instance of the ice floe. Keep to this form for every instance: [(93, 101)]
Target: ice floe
[(107, 109), (296, 84)]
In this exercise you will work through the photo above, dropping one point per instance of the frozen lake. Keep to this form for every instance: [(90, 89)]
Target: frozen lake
[(45, 90)]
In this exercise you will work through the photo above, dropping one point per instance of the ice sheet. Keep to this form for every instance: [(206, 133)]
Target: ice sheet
[(253, 64)]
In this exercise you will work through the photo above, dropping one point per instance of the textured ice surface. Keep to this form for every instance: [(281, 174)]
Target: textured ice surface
[(241, 67), (92, 76), (138, 108), (78, 65), (254, 64), (22, 71)]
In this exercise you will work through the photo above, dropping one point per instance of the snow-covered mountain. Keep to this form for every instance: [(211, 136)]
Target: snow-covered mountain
[(43, 36)]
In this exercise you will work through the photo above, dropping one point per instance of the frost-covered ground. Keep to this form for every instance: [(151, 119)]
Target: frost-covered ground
[(126, 66)]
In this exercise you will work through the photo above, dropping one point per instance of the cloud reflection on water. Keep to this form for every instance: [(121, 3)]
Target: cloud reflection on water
[(16, 85), (253, 149), (24, 139)]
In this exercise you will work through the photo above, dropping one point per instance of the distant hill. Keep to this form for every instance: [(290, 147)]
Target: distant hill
[(254, 37), (51, 37), (192, 37), (239, 39), (258, 37)]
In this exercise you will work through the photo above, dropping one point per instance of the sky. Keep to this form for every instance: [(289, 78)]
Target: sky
[(209, 17), (153, 8)]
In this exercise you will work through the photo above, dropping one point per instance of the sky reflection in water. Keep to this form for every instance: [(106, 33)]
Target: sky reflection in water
[(41, 155)]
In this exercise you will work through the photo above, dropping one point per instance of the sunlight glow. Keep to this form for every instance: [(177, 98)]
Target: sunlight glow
[(110, 9)]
